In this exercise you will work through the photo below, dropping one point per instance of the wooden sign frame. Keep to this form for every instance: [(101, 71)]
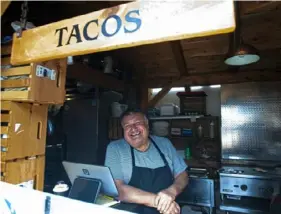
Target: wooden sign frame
[(126, 25)]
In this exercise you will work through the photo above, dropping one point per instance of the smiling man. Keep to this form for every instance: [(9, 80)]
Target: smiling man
[(147, 169)]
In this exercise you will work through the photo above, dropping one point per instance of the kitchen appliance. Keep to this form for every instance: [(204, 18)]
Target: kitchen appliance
[(250, 136), (160, 128), (248, 189), (169, 109), (200, 190), (192, 103)]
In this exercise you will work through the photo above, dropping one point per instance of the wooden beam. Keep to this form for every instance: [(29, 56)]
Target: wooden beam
[(16, 83), (6, 105), (149, 94), (160, 95), (142, 89), (6, 49), (179, 57), (232, 77), (5, 61), (88, 75), (248, 7), (127, 25), (221, 77), (4, 5), (143, 92), (5, 118), (17, 71)]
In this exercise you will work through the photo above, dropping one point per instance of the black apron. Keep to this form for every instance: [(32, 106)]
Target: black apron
[(150, 180)]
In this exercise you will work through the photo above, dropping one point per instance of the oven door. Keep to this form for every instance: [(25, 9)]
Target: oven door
[(200, 192)]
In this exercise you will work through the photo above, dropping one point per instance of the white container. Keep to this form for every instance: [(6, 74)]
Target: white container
[(176, 131), (169, 109), (212, 130), (200, 131), (160, 128), (117, 109)]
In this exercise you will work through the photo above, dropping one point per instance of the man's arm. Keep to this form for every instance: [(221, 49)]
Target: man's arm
[(134, 195), (126, 193), (179, 184), (179, 171), (165, 197)]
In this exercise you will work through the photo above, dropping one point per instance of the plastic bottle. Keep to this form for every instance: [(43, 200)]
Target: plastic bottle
[(200, 131), (187, 153), (212, 130)]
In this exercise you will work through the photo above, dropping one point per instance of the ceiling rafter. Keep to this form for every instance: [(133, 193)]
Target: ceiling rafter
[(222, 77), (89, 75), (179, 57)]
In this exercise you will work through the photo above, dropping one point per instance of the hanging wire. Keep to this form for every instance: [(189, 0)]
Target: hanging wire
[(23, 18)]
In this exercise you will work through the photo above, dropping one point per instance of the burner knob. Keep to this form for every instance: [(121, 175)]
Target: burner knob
[(244, 187)]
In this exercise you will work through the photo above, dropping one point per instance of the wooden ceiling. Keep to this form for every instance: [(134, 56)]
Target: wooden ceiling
[(204, 57), (192, 61)]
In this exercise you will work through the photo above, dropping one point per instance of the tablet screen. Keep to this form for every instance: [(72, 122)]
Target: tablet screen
[(85, 189)]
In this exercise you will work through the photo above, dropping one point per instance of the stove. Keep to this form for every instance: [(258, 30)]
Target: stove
[(244, 189), (251, 172)]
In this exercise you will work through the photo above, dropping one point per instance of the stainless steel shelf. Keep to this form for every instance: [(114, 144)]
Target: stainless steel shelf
[(176, 117)]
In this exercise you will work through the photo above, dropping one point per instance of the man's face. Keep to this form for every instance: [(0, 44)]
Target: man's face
[(135, 130)]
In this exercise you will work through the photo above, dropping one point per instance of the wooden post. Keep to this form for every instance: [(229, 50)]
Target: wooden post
[(144, 98)]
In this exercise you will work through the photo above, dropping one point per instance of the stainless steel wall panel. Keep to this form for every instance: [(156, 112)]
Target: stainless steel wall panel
[(251, 121)]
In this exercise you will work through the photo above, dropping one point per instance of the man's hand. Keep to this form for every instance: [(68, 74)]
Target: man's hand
[(173, 209), (164, 199)]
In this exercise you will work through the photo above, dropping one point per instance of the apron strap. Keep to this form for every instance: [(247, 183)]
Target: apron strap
[(157, 148), (161, 154), (133, 156)]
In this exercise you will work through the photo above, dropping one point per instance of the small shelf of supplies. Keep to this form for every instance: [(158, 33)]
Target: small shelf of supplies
[(176, 117)]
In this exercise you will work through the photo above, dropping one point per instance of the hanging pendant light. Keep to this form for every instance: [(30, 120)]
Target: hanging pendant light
[(240, 53), (244, 55)]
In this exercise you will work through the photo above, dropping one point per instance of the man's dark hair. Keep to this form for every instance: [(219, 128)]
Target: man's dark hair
[(131, 111)]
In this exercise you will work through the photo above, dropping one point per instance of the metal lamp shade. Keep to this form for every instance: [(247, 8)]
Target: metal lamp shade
[(244, 55), (239, 53)]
